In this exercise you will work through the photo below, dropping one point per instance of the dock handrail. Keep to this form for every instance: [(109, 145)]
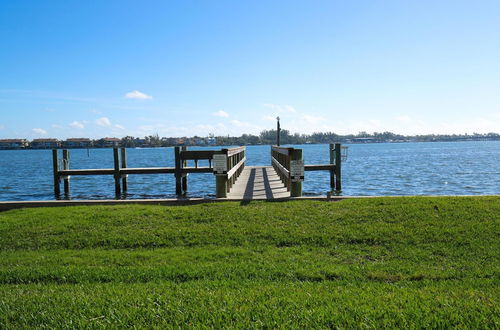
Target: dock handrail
[(235, 162), (281, 159)]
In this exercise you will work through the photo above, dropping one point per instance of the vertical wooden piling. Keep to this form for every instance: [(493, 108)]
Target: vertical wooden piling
[(116, 157), (57, 181), (124, 165), (184, 175), (296, 187), (178, 171), (338, 167), (221, 181), (66, 167), (332, 171)]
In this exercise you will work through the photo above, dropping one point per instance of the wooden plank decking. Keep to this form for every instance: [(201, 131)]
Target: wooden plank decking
[(258, 182)]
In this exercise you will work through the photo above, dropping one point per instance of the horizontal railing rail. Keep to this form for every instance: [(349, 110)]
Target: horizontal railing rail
[(235, 163)]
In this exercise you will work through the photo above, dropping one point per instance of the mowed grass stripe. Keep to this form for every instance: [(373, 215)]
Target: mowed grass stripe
[(409, 261)]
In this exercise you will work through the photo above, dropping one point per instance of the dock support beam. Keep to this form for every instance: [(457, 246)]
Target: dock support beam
[(178, 171), (124, 165), (184, 175), (116, 158), (338, 167), (66, 178), (57, 181), (332, 171), (221, 186), (296, 187)]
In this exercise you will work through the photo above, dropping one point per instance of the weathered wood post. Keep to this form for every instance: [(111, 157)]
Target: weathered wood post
[(124, 165), (338, 167), (296, 172), (57, 181), (178, 171), (116, 158), (332, 171), (66, 167), (184, 175), (220, 166)]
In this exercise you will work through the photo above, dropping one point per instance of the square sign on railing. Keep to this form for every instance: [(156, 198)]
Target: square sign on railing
[(297, 170), (220, 164)]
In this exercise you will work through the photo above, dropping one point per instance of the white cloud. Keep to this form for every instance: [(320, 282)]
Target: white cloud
[(313, 119), (103, 121), (280, 108), (268, 118), (221, 113), (95, 111), (76, 124), (39, 131), (56, 126), (138, 95), (237, 123), (119, 126)]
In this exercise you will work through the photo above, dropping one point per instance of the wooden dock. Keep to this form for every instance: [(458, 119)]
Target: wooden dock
[(258, 182), (233, 179)]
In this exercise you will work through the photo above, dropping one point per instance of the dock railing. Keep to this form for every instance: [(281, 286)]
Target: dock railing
[(290, 167), (234, 158), (228, 165)]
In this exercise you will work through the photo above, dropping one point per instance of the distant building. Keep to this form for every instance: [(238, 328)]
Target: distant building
[(108, 142), (77, 143), (13, 144), (45, 144)]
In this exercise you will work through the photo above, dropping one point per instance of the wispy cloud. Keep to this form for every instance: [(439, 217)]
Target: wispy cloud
[(39, 131), (221, 113), (56, 126), (103, 122), (138, 95), (119, 126), (76, 124), (280, 108)]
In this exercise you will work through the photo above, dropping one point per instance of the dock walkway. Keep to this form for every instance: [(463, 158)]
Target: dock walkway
[(258, 182)]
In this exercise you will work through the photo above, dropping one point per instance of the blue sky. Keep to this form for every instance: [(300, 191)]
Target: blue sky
[(177, 68)]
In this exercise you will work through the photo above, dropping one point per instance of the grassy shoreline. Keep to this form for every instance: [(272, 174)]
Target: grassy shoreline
[(378, 262)]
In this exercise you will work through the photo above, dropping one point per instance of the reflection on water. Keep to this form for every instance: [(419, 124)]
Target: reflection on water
[(440, 168)]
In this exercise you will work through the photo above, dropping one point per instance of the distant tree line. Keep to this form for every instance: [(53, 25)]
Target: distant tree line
[(269, 137), (265, 137)]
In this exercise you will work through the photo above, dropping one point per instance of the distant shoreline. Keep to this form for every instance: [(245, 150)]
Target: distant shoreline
[(250, 144)]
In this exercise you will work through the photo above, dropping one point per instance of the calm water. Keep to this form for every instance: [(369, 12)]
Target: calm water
[(455, 168)]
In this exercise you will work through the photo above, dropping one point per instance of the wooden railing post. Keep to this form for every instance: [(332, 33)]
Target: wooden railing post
[(57, 181), (221, 181), (184, 175), (178, 171), (332, 171), (338, 167), (124, 165), (66, 177), (116, 158), (295, 185)]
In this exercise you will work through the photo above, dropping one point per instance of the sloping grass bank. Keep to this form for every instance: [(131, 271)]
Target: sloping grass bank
[(384, 262)]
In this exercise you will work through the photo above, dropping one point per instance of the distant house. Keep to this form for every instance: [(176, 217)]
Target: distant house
[(77, 143), (45, 144), (140, 142), (108, 142), (13, 143)]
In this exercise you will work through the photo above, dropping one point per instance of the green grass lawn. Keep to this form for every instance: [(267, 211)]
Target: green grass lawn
[(357, 263)]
